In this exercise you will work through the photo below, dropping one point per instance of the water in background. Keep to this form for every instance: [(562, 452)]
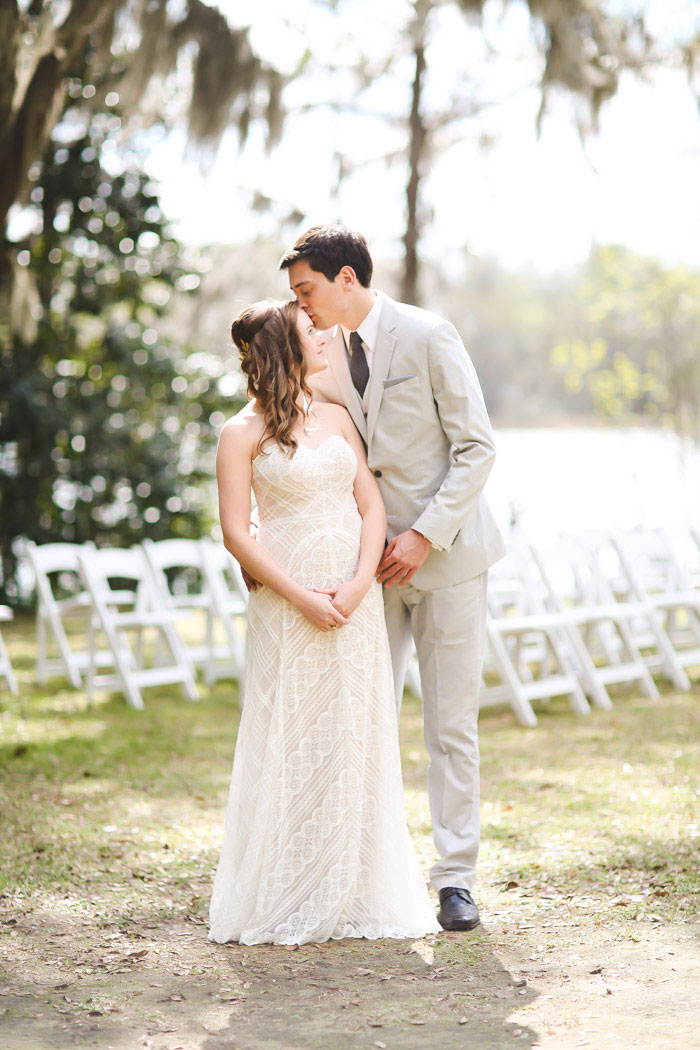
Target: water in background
[(589, 478)]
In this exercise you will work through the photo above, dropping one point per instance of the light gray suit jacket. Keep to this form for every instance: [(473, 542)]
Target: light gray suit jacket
[(428, 437)]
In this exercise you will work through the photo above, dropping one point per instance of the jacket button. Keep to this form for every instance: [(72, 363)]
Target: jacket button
[(377, 473)]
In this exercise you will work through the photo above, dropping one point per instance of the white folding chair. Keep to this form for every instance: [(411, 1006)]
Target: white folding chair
[(61, 597), (98, 568), (179, 574), (6, 671), (185, 584), (656, 579), (569, 583), (229, 597), (684, 545), (507, 596), (645, 625), (529, 650), (513, 591), (682, 555)]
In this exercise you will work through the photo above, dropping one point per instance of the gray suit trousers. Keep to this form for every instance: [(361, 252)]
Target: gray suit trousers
[(449, 628)]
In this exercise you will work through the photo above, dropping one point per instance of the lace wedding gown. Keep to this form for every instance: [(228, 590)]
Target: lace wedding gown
[(315, 840)]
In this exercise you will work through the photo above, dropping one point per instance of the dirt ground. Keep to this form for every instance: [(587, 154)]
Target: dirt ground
[(544, 983)]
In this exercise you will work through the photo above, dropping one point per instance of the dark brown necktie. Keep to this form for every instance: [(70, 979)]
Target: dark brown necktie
[(359, 369)]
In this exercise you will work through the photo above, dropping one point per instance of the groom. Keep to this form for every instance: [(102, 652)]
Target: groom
[(406, 379)]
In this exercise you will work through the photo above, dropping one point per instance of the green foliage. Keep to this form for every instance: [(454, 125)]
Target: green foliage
[(637, 351), (107, 429), (617, 339)]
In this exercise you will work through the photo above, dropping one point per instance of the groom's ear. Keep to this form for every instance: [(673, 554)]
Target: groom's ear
[(347, 277)]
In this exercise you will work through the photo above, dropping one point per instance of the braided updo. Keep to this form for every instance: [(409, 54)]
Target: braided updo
[(272, 360)]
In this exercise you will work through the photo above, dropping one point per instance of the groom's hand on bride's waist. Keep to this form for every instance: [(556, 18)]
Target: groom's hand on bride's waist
[(403, 558)]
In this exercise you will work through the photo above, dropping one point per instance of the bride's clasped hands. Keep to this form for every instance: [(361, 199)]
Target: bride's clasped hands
[(320, 609), (345, 597)]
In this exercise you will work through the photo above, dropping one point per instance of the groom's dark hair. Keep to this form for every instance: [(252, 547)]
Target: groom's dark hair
[(328, 248)]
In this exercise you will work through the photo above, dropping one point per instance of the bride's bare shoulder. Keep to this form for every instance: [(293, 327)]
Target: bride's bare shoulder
[(240, 432), (336, 415)]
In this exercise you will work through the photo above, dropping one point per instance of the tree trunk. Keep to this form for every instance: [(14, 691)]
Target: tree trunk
[(27, 129), (416, 150), (9, 43)]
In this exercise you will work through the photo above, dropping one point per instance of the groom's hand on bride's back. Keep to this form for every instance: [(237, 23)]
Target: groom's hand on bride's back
[(251, 583)]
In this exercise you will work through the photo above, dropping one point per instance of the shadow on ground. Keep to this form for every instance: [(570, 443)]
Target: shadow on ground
[(444, 991)]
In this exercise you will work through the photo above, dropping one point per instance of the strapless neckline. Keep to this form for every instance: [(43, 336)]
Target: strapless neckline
[(302, 445)]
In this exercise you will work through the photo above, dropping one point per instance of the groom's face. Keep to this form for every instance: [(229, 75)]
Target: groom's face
[(324, 301)]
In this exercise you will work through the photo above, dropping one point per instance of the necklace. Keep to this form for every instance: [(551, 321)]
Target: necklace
[(306, 412)]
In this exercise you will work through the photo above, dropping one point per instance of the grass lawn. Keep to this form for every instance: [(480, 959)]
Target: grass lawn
[(112, 821)]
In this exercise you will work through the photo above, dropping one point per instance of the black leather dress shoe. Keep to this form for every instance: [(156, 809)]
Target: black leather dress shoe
[(457, 909)]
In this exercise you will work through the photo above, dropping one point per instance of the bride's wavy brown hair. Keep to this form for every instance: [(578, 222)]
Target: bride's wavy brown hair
[(272, 360)]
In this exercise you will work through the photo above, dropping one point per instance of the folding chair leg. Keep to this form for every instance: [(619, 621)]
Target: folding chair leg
[(189, 686), (138, 648), (646, 681), (72, 671), (160, 655), (130, 689), (609, 651), (41, 649), (594, 687), (133, 695), (524, 672), (672, 664), (92, 648), (519, 703), (578, 699), (694, 623), (7, 671), (209, 639)]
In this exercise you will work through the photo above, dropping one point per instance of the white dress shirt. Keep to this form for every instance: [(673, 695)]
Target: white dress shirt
[(367, 330)]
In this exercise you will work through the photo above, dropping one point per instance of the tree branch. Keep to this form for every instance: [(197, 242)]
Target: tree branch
[(31, 122)]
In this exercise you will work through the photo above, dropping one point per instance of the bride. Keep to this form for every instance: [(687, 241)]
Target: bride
[(315, 840)]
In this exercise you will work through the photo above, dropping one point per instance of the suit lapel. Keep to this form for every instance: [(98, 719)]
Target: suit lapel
[(386, 342), (338, 364)]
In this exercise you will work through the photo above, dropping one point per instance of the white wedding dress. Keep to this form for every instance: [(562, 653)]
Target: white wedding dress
[(315, 841)]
